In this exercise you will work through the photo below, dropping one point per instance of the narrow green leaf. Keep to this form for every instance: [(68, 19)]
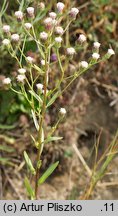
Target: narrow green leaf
[(28, 187), (35, 120), (29, 163), (6, 148), (38, 69), (36, 96), (47, 173), (50, 139), (52, 100)]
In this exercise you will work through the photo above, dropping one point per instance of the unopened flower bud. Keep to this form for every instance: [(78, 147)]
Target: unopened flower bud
[(41, 6), (19, 15), (95, 56), (73, 12), (20, 78), (30, 11), (43, 36), (82, 38), (48, 22), (22, 70), (53, 57), (84, 64), (15, 37), (59, 30), (62, 112), (28, 26), (6, 28), (70, 51), (30, 59), (60, 7), (39, 87), (53, 15), (6, 42), (6, 81)]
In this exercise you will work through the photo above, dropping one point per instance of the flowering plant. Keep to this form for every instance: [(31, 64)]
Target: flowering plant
[(34, 79)]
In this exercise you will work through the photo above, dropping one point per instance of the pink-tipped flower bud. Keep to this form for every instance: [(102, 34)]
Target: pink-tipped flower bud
[(15, 37), (20, 78), (22, 70), (28, 26), (43, 36), (6, 81), (70, 51), (6, 42), (59, 30), (84, 64), (82, 38), (48, 22), (60, 7), (53, 15), (19, 15), (6, 28), (73, 12), (30, 11)]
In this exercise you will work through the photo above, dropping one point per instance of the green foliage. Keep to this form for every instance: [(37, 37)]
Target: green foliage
[(29, 189), (29, 163)]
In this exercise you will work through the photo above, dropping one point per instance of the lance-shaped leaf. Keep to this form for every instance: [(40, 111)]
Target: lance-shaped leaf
[(29, 163), (35, 120), (47, 173), (36, 96), (38, 69), (50, 139), (52, 100), (29, 189)]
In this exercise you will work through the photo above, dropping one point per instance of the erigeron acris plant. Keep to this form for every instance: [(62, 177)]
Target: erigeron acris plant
[(37, 88)]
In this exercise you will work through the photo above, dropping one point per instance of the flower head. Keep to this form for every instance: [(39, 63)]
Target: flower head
[(70, 51), (96, 56), (6, 28), (21, 78), (53, 57), (62, 112), (60, 7), (43, 36), (48, 22), (15, 37), (6, 81), (39, 86), (6, 42), (28, 26), (41, 6), (58, 39), (59, 30), (84, 64), (111, 52), (19, 15), (30, 11), (52, 15), (22, 70), (82, 38), (73, 12), (30, 59), (96, 45), (42, 62)]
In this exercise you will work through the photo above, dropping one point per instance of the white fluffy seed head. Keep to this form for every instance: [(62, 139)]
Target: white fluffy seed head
[(60, 7), (43, 62), (71, 51), (22, 70), (96, 56), (82, 38), (84, 64), (62, 112), (6, 81), (19, 15), (58, 39), (59, 30), (30, 11), (110, 52), (96, 45), (73, 12), (6, 42), (15, 37), (39, 86), (28, 26), (53, 15), (30, 59), (6, 28), (43, 36), (20, 78)]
